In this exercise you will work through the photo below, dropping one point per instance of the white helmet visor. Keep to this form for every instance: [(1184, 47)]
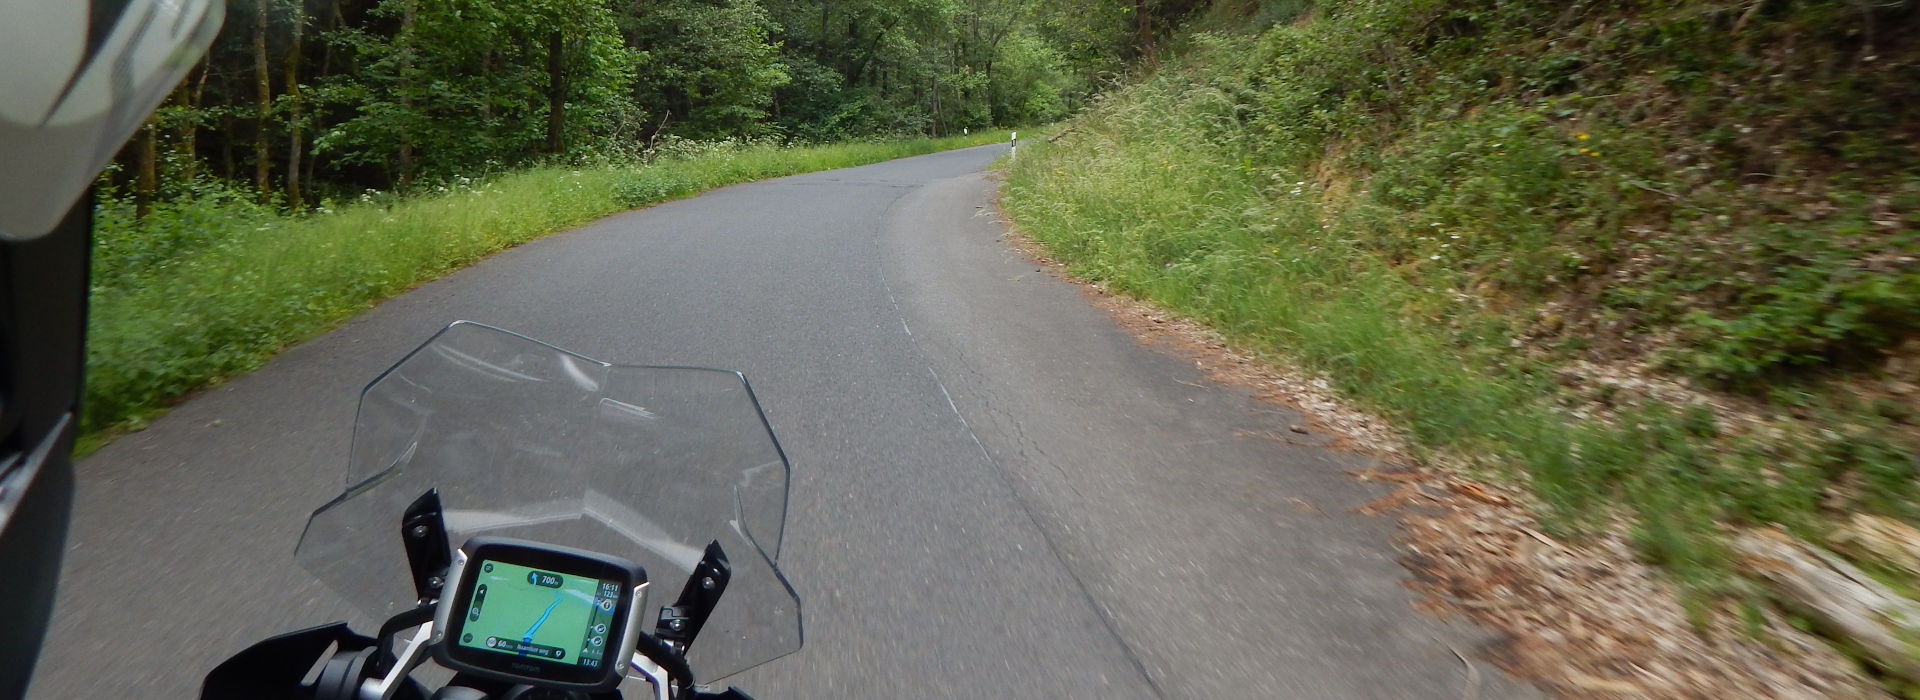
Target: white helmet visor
[(76, 79)]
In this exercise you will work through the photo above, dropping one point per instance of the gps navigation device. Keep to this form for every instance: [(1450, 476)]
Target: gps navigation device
[(539, 614)]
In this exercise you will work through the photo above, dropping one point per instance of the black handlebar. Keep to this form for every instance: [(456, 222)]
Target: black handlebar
[(331, 662)]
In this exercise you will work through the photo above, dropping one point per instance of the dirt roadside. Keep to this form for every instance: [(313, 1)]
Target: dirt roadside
[(1579, 619)]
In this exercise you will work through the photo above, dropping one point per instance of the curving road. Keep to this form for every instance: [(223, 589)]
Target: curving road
[(997, 493)]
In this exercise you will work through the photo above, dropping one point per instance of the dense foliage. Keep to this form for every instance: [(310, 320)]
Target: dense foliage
[(328, 153), (301, 100), (1660, 254)]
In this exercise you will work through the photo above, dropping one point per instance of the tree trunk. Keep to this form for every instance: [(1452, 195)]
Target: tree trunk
[(405, 154), (146, 177), (263, 104), (866, 58), (556, 95), (993, 47), (227, 168), (486, 73), (334, 20), (186, 142), (1146, 30), (294, 112)]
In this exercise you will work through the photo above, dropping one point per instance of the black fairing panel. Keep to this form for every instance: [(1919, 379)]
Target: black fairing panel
[(31, 545), (43, 303), (274, 668)]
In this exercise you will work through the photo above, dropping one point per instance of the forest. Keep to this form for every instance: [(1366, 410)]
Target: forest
[(302, 100)]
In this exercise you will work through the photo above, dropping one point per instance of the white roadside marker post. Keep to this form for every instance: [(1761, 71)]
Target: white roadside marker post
[(1013, 145)]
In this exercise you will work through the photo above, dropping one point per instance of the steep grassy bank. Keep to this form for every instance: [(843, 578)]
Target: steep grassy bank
[(211, 285), (1658, 260)]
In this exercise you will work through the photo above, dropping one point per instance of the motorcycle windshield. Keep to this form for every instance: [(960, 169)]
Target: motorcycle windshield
[(525, 440)]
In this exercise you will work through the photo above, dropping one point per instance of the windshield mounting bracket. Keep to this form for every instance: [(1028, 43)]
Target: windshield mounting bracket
[(680, 622), (428, 553)]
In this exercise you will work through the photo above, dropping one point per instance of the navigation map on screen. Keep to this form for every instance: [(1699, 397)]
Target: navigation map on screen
[(539, 614)]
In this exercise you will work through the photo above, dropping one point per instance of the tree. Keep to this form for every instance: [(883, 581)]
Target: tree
[(356, 94), (263, 103), (295, 118), (467, 82), (709, 62)]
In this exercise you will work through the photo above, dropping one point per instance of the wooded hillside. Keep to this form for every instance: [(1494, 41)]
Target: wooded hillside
[(1651, 264), (300, 99)]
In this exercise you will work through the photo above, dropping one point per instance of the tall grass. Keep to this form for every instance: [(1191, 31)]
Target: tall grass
[(210, 285), (1406, 264)]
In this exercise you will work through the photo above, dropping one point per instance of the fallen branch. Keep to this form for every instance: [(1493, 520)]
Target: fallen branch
[(1744, 16), (1844, 601), (1885, 540)]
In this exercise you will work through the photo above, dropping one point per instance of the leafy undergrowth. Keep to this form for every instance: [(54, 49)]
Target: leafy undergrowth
[(1658, 259), (211, 284)]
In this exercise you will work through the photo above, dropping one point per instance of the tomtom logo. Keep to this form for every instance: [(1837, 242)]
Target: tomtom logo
[(529, 668)]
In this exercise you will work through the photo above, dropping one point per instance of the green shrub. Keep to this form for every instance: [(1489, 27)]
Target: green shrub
[(651, 184), (1820, 303), (202, 216)]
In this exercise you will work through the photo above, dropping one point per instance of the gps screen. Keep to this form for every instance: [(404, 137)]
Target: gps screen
[(533, 613)]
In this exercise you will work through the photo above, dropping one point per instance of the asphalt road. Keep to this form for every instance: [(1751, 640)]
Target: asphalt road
[(996, 492)]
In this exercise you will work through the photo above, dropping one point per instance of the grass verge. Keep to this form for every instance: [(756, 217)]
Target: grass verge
[(210, 285), (1458, 210)]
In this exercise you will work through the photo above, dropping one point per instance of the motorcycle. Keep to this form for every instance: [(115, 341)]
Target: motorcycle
[(573, 487)]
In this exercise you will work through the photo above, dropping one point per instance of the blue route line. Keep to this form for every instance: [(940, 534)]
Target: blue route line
[(528, 638)]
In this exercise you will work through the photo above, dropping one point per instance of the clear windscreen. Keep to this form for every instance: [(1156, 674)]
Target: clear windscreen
[(528, 441)]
